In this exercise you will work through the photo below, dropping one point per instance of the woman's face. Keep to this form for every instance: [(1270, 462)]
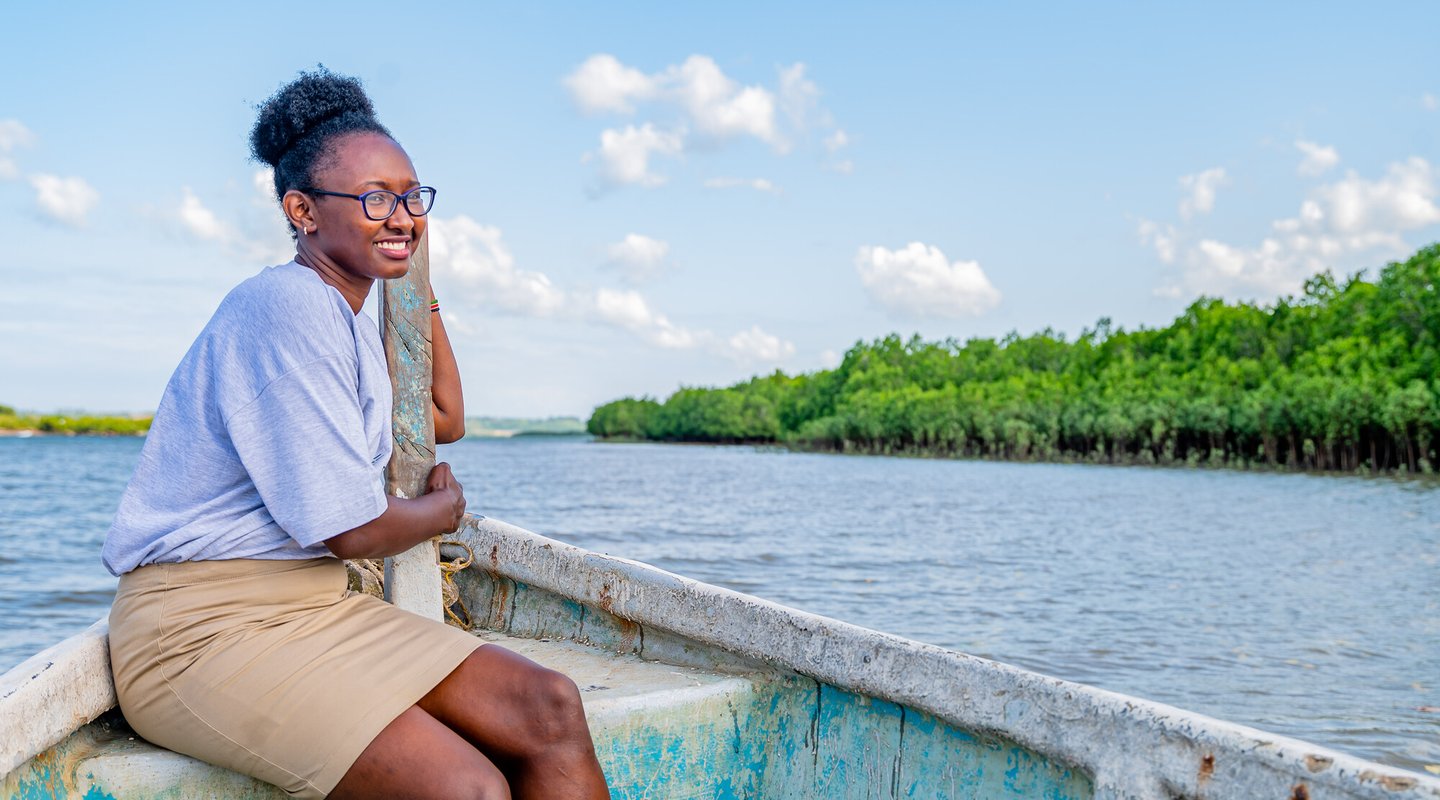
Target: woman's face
[(363, 247)]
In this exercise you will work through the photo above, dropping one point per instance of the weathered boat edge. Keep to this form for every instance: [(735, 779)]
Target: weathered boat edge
[(46, 697), (1132, 748)]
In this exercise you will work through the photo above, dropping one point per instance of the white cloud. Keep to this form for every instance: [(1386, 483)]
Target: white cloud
[(200, 221), (640, 257), (1428, 102), (707, 108), (630, 311), (602, 83), (1403, 200), (473, 265), (264, 182), (1341, 225), (252, 230), (475, 257), (67, 200), (758, 184), (713, 103), (458, 324), (1160, 237), (625, 154), (757, 345), (13, 134), (829, 359), (834, 143), (919, 281), (1318, 158), (800, 98), (1200, 189), (720, 107)]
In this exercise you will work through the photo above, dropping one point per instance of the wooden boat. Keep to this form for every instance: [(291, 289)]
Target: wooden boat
[(693, 691)]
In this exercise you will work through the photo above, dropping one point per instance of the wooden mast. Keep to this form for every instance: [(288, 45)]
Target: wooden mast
[(412, 578)]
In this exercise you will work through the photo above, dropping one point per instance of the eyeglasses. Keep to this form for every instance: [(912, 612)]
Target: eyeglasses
[(380, 203)]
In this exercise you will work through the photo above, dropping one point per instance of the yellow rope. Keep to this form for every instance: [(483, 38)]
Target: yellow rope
[(449, 592), (367, 576)]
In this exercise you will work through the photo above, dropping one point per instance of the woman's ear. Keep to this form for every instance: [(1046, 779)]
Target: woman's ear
[(298, 210)]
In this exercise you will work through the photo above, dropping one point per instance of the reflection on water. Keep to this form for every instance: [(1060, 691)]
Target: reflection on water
[(1304, 605)]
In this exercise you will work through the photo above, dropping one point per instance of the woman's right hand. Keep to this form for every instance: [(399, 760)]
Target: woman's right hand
[(406, 523), (442, 481)]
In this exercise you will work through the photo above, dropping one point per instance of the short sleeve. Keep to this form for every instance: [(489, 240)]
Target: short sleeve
[(302, 441)]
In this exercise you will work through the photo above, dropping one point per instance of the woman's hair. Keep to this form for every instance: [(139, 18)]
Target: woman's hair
[(295, 127)]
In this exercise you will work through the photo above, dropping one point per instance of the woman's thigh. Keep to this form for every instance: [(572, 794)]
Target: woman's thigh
[(417, 756)]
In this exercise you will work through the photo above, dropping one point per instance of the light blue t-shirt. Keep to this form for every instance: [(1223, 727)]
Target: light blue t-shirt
[(271, 437)]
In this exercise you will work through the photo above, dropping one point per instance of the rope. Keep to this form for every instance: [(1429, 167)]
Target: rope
[(367, 576), (449, 592)]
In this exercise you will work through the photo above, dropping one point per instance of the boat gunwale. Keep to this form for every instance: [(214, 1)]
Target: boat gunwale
[(1129, 746), (55, 692)]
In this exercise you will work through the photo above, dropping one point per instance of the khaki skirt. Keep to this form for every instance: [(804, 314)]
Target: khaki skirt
[(270, 668)]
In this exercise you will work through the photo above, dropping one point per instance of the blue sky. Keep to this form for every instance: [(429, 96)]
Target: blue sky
[(639, 197)]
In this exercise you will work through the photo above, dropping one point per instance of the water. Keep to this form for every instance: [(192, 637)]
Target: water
[(1304, 605)]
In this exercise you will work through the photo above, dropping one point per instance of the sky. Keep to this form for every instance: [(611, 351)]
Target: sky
[(638, 197)]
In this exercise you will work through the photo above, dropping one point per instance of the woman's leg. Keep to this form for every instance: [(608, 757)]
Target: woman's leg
[(417, 756), (526, 718)]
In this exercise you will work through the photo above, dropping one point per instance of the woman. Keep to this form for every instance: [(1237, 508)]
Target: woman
[(233, 638)]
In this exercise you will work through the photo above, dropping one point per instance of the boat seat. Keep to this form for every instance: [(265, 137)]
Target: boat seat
[(624, 696)]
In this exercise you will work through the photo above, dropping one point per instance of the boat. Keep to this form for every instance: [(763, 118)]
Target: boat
[(696, 691)]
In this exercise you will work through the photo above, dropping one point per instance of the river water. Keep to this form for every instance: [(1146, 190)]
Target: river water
[(1301, 604)]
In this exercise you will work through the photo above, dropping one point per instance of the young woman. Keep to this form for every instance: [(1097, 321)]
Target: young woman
[(233, 637)]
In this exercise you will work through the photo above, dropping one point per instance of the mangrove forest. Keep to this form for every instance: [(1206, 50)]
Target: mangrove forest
[(1345, 376)]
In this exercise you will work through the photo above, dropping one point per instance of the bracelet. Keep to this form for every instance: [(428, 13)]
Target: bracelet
[(434, 306)]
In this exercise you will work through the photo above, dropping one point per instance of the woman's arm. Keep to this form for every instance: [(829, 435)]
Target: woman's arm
[(445, 391), (406, 523)]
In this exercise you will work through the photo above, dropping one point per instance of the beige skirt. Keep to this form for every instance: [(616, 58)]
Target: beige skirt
[(270, 668)]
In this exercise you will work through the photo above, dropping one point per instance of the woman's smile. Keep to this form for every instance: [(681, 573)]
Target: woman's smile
[(398, 248)]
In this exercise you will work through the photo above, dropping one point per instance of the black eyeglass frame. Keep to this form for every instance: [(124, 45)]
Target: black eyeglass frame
[(394, 200)]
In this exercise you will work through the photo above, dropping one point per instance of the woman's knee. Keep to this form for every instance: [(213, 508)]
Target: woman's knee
[(484, 782), (556, 714)]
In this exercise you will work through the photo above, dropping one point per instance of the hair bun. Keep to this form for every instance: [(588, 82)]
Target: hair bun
[(302, 106)]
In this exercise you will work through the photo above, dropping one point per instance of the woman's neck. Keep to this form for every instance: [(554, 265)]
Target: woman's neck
[(351, 287)]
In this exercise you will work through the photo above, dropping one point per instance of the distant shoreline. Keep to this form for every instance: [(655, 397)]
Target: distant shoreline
[(28, 433), (29, 425)]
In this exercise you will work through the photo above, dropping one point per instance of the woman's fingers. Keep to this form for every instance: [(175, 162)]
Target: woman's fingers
[(440, 477)]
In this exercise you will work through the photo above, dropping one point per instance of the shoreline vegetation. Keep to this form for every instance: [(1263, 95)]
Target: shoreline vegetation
[(510, 427), (1344, 377), (18, 424), (13, 423)]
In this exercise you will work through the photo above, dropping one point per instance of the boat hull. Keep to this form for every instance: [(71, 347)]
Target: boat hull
[(696, 691)]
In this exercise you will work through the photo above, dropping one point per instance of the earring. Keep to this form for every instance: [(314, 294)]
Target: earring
[(307, 231)]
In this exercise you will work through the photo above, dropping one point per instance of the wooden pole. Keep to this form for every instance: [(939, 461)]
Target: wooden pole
[(412, 578)]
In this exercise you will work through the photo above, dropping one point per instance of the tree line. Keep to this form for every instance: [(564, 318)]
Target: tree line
[(73, 424), (1344, 376)]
